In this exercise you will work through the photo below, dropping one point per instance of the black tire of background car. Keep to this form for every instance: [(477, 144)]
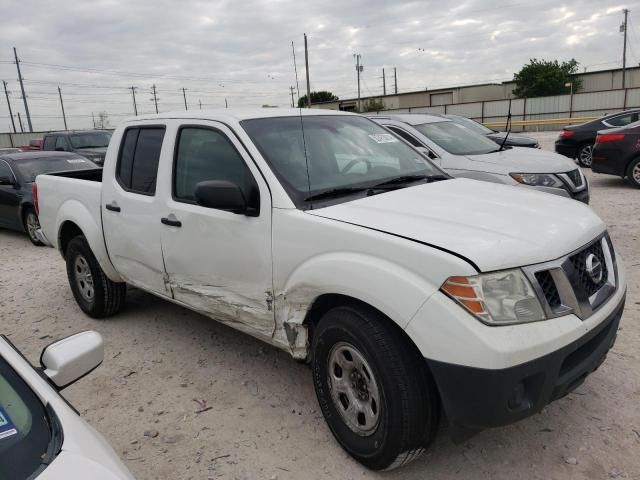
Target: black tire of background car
[(25, 215), (109, 296), (579, 153), (635, 163), (410, 405)]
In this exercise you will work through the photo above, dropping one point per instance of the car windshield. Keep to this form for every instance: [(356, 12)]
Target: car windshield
[(32, 167), (456, 139), (90, 140), (470, 124), (25, 433), (316, 154)]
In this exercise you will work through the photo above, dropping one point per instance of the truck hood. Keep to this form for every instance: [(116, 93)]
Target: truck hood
[(95, 152), (527, 160), (493, 226)]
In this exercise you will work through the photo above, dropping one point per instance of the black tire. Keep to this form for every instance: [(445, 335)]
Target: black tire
[(30, 222), (107, 297), (408, 408), (633, 172), (583, 155)]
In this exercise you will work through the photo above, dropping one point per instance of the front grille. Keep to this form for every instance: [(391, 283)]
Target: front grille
[(566, 285), (549, 288), (579, 262), (575, 177)]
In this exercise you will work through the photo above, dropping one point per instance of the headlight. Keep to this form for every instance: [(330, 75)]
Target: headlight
[(499, 298), (537, 179)]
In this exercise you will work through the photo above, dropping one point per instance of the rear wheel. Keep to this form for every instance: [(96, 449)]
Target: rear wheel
[(633, 172), (584, 155), (96, 295), (374, 390), (31, 224)]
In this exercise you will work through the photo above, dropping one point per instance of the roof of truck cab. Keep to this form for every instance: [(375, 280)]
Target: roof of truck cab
[(411, 118), (238, 114)]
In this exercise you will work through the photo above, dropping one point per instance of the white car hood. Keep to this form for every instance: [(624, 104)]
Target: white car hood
[(527, 160), (493, 226)]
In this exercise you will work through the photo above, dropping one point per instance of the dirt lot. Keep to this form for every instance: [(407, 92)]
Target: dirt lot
[(264, 422)]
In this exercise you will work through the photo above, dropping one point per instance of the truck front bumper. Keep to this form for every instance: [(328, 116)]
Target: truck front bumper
[(478, 398)]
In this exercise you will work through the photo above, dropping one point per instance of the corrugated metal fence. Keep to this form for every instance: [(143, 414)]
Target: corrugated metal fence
[(593, 104)]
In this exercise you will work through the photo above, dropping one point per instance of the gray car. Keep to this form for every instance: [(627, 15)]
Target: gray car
[(91, 144), (462, 152)]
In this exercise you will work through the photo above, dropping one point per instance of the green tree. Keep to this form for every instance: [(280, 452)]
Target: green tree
[(373, 105), (317, 97), (540, 78)]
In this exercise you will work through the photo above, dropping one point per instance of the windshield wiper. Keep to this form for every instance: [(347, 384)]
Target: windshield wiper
[(409, 179), (508, 128), (334, 192)]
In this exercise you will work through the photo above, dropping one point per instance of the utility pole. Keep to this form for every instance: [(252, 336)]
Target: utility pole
[(623, 28), (64, 117), (226, 104), (20, 122), (395, 79), (384, 83), (24, 95), (93, 119), (306, 65), (184, 95), (6, 94), (295, 68), (133, 94), (293, 105), (357, 57), (155, 96), (200, 103)]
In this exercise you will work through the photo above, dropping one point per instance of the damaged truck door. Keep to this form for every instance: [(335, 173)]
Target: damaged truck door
[(225, 271)]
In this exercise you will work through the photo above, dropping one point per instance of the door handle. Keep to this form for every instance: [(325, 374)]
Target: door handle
[(171, 220), (113, 206)]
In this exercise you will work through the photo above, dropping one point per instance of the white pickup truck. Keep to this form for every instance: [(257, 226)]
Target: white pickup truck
[(410, 293)]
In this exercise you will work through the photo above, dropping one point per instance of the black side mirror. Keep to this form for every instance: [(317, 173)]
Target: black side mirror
[(6, 180), (59, 149), (222, 195)]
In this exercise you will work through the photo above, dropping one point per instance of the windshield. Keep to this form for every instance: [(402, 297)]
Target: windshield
[(470, 124), (315, 154), (456, 139), (90, 140), (24, 427), (32, 167)]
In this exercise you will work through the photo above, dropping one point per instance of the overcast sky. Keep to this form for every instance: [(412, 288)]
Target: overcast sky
[(241, 50)]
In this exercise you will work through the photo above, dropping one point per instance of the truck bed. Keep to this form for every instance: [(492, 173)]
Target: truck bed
[(64, 195)]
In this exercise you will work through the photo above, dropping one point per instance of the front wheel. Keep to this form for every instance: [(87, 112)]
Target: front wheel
[(31, 225), (374, 390), (633, 173), (584, 155), (96, 295)]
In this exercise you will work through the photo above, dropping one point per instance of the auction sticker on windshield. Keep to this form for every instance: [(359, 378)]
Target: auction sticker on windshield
[(75, 160), (383, 138), (7, 428)]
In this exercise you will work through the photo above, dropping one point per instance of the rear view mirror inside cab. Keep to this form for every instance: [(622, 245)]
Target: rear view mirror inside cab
[(68, 360)]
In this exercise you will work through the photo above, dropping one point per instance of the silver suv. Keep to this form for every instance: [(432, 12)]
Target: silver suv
[(462, 152)]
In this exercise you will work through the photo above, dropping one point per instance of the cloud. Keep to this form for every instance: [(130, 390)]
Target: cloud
[(241, 51)]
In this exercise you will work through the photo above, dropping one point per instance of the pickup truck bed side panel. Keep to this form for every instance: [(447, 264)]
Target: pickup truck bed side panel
[(311, 260), (73, 200)]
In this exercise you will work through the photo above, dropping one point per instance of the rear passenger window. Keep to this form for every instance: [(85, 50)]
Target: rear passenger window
[(49, 143), (139, 156), (205, 154), (406, 136)]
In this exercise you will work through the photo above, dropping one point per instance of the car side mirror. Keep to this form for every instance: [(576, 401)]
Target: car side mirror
[(6, 180), (427, 152), (68, 360), (59, 149), (222, 195)]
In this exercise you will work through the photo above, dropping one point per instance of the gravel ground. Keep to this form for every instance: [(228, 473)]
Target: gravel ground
[(264, 421)]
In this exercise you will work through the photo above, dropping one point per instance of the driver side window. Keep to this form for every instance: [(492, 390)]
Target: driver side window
[(5, 171)]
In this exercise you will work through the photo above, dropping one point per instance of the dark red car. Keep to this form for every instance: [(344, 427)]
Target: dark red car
[(617, 152), (33, 145)]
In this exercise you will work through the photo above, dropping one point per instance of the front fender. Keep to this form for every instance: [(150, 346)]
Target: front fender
[(75, 212), (393, 290)]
